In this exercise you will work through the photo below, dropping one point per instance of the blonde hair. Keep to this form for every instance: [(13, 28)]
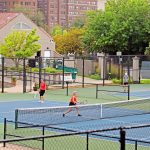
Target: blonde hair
[(74, 92)]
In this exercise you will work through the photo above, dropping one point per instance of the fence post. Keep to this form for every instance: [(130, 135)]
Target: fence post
[(5, 130), (30, 79), (128, 69), (43, 137), (16, 118), (104, 70), (63, 73), (96, 91), (87, 141), (122, 139), (2, 74), (136, 145), (24, 75), (83, 72), (128, 92), (122, 70), (40, 70)]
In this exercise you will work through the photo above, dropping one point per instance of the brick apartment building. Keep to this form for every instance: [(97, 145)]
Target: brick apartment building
[(64, 12), (8, 5)]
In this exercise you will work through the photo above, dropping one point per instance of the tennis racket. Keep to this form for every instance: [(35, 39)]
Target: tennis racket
[(83, 102)]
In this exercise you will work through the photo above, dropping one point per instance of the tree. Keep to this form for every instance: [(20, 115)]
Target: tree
[(147, 51), (69, 42), (58, 30), (37, 17), (20, 44), (123, 26), (79, 22)]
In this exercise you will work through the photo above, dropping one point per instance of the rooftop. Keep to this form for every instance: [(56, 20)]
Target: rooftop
[(6, 17)]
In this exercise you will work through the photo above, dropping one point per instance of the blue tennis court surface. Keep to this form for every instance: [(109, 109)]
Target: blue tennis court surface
[(7, 110), (136, 94)]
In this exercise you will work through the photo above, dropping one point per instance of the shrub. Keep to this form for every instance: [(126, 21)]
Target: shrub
[(145, 81), (116, 81), (52, 70), (35, 69), (95, 76)]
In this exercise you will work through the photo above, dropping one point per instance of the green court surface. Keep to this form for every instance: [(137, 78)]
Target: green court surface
[(87, 93)]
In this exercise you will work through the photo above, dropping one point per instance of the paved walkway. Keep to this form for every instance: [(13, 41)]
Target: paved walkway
[(19, 87)]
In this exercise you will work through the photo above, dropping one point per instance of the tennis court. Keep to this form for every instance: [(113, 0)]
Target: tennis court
[(94, 116)]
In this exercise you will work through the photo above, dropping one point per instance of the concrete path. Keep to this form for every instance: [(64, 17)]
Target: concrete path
[(19, 86)]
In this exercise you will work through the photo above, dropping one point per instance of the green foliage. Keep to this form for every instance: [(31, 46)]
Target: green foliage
[(47, 70), (35, 70), (123, 26), (145, 81), (15, 68), (116, 81), (13, 79), (79, 22), (70, 42), (95, 76), (52, 70), (147, 51), (20, 44), (37, 17), (57, 30)]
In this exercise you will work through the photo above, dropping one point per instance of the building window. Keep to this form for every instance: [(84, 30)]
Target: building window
[(21, 25)]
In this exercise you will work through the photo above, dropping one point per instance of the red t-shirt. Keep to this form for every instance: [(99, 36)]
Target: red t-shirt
[(42, 86), (73, 100)]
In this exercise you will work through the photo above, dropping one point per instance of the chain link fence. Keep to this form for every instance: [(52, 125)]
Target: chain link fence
[(59, 70), (51, 137)]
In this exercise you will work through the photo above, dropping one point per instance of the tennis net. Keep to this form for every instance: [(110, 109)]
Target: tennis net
[(54, 115)]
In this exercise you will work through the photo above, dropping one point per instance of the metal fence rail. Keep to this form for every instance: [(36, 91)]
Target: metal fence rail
[(49, 137)]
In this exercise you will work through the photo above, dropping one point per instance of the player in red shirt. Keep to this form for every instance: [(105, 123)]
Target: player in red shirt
[(42, 90), (73, 101)]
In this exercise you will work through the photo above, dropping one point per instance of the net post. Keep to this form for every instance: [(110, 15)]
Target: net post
[(5, 130), (87, 141), (16, 118), (101, 110), (96, 91), (67, 83), (122, 139), (128, 92)]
